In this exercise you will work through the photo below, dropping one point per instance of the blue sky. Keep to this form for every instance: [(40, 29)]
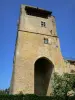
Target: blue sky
[(63, 10)]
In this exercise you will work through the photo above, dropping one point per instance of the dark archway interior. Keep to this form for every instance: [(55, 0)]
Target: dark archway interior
[(42, 74)]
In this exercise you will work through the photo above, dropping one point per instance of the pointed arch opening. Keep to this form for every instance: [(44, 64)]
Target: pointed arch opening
[(43, 68)]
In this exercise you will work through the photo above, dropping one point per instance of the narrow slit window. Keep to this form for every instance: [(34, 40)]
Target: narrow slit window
[(51, 31)]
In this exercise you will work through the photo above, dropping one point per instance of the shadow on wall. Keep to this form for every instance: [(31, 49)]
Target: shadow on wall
[(43, 68)]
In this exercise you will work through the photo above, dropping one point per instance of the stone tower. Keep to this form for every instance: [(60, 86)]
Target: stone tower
[(37, 52)]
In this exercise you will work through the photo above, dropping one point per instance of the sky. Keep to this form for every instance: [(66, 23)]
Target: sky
[(64, 12)]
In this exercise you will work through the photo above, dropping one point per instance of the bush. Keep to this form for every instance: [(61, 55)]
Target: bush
[(63, 84), (33, 97)]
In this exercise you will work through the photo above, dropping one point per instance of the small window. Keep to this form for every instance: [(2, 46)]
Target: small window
[(43, 24), (46, 40)]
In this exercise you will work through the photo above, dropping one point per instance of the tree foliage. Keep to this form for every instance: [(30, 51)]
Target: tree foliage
[(4, 92), (63, 84)]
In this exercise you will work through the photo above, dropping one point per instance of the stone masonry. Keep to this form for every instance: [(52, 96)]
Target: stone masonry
[(36, 38)]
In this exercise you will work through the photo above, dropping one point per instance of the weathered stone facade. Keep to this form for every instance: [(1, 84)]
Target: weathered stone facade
[(35, 41)]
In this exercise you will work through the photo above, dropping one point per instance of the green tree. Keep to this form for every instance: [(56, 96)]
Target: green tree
[(63, 84), (5, 91)]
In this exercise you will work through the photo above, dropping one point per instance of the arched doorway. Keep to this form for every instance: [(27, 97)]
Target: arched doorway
[(42, 73)]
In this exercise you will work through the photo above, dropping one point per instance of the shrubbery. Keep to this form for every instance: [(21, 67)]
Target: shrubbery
[(63, 84), (33, 97), (4, 92)]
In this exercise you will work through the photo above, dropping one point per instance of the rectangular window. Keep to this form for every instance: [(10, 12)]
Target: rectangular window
[(46, 40), (43, 24)]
